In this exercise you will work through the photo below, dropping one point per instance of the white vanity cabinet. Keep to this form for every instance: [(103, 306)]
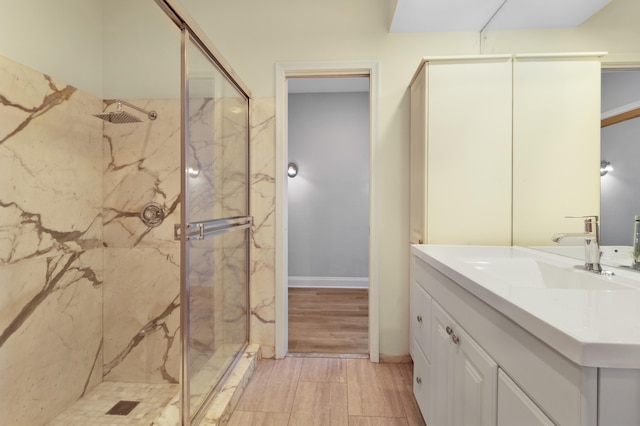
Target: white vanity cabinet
[(490, 135), (460, 382), (420, 330)]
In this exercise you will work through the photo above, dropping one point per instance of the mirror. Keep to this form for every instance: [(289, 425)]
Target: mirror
[(620, 146), (620, 169)]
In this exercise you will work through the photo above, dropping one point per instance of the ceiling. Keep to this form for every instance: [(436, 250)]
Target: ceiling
[(477, 15)]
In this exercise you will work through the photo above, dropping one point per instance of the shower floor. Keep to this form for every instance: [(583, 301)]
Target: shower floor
[(92, 408)]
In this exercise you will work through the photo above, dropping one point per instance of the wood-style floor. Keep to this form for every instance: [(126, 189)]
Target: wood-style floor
[(328, 391), (328, 321)]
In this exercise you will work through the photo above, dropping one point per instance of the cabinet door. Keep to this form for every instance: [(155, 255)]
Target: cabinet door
[(469, 152), (442, 363), (475, 383), (417, 162), (515, 407), (556, 145), (420, 310)]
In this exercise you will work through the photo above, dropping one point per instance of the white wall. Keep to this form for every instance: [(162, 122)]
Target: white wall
[(254, 35), (329, 199), (62, 39), (109, 48), (620, 145), (141, 51)]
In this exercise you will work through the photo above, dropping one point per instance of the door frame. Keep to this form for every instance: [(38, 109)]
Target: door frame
[(284, 71)]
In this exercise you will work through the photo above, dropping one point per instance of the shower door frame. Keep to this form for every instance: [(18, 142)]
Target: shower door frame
[(192, 32)]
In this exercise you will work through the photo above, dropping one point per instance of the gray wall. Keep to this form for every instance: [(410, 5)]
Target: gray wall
[(329, 199), (620, 199)]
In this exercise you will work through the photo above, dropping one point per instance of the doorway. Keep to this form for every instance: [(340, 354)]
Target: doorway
[(316, 228), (328, 220)]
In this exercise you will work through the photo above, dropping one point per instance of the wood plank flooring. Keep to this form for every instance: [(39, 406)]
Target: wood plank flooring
[(328, 392), (328, 321)]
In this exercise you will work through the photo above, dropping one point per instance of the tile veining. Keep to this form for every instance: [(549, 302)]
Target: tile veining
[(50, 244), (82, 275), (51, 100)]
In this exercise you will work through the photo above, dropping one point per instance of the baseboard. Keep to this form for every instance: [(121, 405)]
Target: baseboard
[(329, 282), (396, 359)]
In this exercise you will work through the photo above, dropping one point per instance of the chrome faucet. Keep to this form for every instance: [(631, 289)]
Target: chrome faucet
[(636, 243), (591, 238)]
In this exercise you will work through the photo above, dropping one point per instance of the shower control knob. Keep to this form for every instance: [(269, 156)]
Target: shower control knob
[(419, 318), (419, 380), (152, 215)]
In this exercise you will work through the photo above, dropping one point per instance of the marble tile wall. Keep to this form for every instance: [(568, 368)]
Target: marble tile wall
[(203, 182), (217, 265), (51, 268), (262, 199), (142, 263), (231, 138)]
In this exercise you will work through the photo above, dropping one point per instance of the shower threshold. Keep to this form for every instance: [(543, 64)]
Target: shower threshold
[(228, 392)]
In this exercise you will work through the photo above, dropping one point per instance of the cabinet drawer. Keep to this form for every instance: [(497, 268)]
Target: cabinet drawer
[(421, 379), (421, 318), (515, 407)]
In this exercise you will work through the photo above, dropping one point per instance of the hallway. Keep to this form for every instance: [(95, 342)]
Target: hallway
[(328, 321)]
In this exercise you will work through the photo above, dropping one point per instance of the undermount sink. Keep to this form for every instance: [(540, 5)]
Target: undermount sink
[(528, 272)]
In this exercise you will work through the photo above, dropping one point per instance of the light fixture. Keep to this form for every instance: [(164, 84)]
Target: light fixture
[(194, 172), (292, 170), (605, 167)]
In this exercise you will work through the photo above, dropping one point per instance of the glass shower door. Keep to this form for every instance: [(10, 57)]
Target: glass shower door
[(215, 232)]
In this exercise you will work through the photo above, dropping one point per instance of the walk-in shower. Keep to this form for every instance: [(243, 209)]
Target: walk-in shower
[(123, 241)]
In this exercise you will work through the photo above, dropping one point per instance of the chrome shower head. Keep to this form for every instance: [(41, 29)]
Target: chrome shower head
[(120, 116)]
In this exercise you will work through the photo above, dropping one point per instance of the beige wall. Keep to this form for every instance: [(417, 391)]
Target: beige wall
[(253, 36), (109, 48), (60, 39)]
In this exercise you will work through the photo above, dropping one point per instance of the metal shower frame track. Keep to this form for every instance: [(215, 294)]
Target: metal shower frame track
[(192, 32)]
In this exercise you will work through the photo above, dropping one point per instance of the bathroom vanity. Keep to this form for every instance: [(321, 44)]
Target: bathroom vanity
[(513, 336)]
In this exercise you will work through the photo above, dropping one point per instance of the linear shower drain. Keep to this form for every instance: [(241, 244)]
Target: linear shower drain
[(123, 408)]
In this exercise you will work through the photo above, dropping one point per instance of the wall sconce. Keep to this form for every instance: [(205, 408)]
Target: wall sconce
[(292, 170), (194, 172), (605, 167)]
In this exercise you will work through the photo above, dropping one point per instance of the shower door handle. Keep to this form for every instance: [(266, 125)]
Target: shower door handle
[(211, 228)]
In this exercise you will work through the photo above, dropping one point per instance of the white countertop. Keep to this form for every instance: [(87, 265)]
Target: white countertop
[(593, 327)]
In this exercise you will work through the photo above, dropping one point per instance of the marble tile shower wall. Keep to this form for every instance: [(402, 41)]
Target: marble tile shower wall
[(218, 310), (231, 197), (51, 267), (262, 198), (87, 292), (141, 263)]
